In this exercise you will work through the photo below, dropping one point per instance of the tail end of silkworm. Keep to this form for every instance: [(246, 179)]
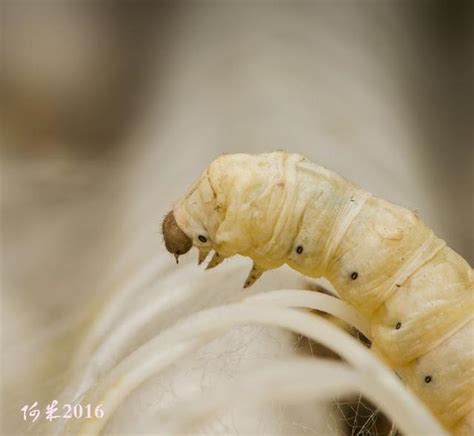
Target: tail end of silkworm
[(255, 273)]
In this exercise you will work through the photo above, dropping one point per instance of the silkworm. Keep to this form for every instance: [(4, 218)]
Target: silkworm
[(415, 292)]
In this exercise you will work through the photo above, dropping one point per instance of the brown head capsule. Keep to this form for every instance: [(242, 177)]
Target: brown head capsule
[(176, 241)]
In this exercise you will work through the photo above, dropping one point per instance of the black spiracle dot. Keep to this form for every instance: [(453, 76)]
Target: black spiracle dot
[(399, 324), (354, 275), (299, 249), (202, 238), (428, 379)]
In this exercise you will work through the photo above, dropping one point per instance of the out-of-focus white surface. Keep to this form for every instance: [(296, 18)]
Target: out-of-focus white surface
[(329, 81)]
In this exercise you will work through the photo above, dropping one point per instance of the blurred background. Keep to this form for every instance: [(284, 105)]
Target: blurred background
[(111, 109)]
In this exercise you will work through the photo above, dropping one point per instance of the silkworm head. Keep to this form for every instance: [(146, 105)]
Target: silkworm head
[(176, 241)]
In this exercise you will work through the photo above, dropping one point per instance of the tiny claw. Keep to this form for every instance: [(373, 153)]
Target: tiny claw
[(176, 256), (202, 255), (255, 273), (215, 260)]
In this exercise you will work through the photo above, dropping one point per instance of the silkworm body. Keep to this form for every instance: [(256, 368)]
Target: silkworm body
[(417, 293)]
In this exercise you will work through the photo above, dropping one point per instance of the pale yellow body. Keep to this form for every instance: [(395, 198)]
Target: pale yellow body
[(417, 293)]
